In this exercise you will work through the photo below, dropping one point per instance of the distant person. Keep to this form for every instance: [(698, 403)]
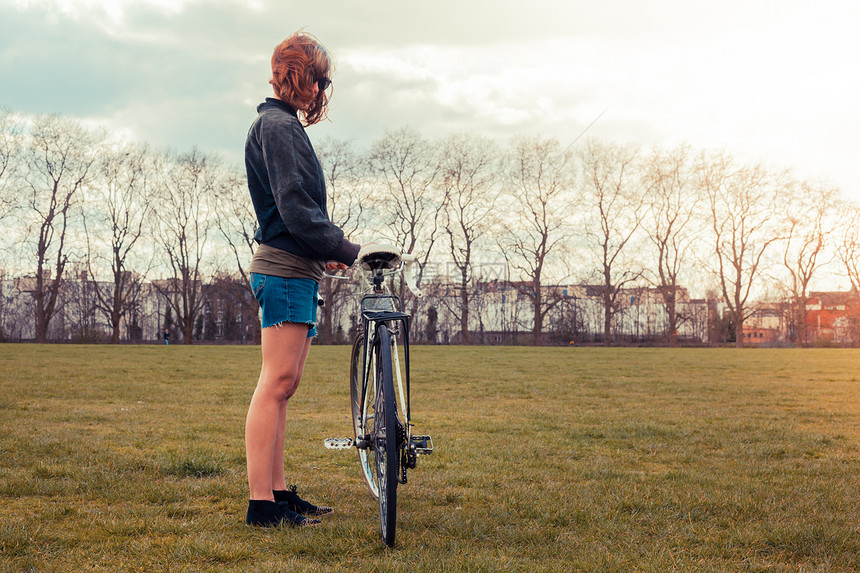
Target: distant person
[(297, 242), (166, 336)]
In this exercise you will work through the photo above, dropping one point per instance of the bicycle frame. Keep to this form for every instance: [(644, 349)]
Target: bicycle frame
[(371, 319)]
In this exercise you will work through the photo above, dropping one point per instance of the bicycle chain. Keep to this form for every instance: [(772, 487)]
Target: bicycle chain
[(404, 451)]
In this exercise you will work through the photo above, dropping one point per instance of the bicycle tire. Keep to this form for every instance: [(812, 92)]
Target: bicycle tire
[(385, 436), (362, 422)]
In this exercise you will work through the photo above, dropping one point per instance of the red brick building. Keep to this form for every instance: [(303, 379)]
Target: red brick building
[(833, 318)]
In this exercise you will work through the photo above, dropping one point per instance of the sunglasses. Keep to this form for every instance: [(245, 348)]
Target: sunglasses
[(323, 83)]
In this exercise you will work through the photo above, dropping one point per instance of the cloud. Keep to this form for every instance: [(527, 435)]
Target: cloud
[(110, 14), (171, 83), (772, 84)]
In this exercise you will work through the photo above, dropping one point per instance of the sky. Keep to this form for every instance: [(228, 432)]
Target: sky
[(768, 81)]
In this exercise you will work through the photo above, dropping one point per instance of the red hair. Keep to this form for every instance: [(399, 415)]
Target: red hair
[(297, 63)]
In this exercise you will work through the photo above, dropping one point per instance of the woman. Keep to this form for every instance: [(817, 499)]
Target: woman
[(297, 242)]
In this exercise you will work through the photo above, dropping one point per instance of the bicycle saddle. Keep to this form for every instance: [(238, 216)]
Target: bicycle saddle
[(378, 256)]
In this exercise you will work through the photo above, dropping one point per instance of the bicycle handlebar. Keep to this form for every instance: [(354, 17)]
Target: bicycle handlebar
[(338, 277)]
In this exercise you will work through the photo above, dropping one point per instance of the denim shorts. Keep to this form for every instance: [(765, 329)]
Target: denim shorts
[(287, 300)]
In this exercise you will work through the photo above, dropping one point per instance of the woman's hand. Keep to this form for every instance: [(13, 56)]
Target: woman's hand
[(332, 266)]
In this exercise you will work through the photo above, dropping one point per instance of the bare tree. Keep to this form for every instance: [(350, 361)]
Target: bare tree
[(10, 134), (742, 204), (347, 187), (121, 201), (805, 214), (237, 223), (80, 312), (669, 215), (236, 220), (407, 166), (15, 310), (188, 182), (535, 222), (848, 250), (615, 208), (469, 166), (849, 246), (58, 156), (9, 140)]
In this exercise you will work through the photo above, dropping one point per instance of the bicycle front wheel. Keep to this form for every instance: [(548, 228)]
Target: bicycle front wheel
[(363, 412), (384, 437)]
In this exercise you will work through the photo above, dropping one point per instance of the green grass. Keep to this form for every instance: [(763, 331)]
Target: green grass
[(548, 459)]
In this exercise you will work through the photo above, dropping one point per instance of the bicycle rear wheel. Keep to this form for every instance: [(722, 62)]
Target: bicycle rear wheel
[(384, 437), (362, 421)]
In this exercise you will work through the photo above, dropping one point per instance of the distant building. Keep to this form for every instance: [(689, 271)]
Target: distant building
[(766, 326), (502, 312), (833, 318)]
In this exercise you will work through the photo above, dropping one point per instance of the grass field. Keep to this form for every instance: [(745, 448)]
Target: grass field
[(547, 459)]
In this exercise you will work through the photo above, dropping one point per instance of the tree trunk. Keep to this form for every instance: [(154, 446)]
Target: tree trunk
[(739, 331), (115, 327), (187, 332), (672, 313), (257, 332), (41, 321), (537, 332), (465, 336), (116, 306), (326, 328), (607, 323)]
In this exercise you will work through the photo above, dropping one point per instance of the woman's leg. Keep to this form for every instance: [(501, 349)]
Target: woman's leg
[(279, 481), (284, 350)]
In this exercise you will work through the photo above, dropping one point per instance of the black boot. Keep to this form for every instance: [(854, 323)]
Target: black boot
[(291, 500), (265, 513)]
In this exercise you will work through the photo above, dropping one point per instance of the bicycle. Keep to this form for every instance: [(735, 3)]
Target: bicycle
[(382, 426)]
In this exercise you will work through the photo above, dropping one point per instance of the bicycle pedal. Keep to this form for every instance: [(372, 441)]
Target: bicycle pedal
[(422, 445), (338, 443)]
